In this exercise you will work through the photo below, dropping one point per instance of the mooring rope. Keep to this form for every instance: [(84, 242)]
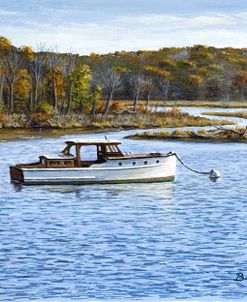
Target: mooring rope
[(212, 173), (189, 168)]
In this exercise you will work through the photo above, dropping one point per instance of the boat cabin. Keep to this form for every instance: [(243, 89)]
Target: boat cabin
[(75, 154)]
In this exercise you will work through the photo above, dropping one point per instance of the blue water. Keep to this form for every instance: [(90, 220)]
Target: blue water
[(184, 240)]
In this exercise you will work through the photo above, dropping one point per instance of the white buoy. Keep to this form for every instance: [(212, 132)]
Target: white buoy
[(214, 174)]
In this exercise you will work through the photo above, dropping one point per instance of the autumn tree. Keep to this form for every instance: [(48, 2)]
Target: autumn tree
[(37, 70), (69, 69), (184, 68), (202, 55), (212, 75), (240, 82), (137, 86), (95, 94), (22, 88), (110, 78), (162, 78), (5, 45), (148, 88), (192, 84), (226, 83), (68, 82), (14, 58), (54, 76), (81, 81), (2, 81), (165, 73)]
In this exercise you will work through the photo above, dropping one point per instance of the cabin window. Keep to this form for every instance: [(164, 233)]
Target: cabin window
[(112, 150), (53, 162), (133, 163), (157, 161), (72, 151), (145, 162), (88, 153), (60, 163), (120, 164)]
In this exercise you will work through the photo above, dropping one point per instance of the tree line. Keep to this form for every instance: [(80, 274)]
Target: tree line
[(52, 82)]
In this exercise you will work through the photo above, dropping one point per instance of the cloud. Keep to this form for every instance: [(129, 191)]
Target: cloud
[(7, 13), (178, 21), (81, 38), (212, 20), (132, 32)]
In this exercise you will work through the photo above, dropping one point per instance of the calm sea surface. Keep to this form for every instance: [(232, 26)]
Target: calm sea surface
[(183, 240)]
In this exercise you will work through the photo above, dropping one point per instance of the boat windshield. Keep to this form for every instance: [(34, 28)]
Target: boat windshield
[(113, 150), (69, 151)]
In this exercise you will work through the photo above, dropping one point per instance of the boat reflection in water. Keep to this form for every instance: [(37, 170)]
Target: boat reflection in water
[(159, 191)]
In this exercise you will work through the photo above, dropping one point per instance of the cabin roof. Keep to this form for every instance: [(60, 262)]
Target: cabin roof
[(88, 142), (58, 156)]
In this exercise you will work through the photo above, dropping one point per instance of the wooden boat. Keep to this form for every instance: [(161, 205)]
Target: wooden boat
[(110, 165)]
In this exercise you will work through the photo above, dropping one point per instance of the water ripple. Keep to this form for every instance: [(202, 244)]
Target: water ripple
[(181, 240)]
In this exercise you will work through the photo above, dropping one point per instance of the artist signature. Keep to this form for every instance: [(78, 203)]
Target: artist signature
[(240, 277)]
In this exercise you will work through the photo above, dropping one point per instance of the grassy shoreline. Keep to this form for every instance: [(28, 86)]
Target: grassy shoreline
[(59, 125), (18, 134), (184, 103), (216, 135), (239, 114)]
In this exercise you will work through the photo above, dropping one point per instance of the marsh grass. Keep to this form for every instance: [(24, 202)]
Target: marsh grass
[(237, 134), (240, 114), (120, 120), (184, 103)]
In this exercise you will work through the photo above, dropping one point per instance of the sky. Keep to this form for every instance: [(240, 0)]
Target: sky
[(102, 26)]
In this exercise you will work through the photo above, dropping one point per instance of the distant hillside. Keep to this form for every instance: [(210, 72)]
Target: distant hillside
[(47, 81)]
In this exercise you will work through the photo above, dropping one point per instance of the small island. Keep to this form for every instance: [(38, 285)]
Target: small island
[(239, 114), (219, 134)]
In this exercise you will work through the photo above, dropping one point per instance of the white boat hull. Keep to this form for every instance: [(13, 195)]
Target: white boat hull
[(145, 170)]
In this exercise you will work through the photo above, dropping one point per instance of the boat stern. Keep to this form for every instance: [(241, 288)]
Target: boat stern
[(16, 174)]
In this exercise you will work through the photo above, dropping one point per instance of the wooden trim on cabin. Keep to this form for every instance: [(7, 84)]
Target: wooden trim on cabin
[(137, 156), (92, 143), (78, 155), (60, 163)]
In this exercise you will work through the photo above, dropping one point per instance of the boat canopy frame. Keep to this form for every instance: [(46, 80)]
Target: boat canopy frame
[(104, 149)]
